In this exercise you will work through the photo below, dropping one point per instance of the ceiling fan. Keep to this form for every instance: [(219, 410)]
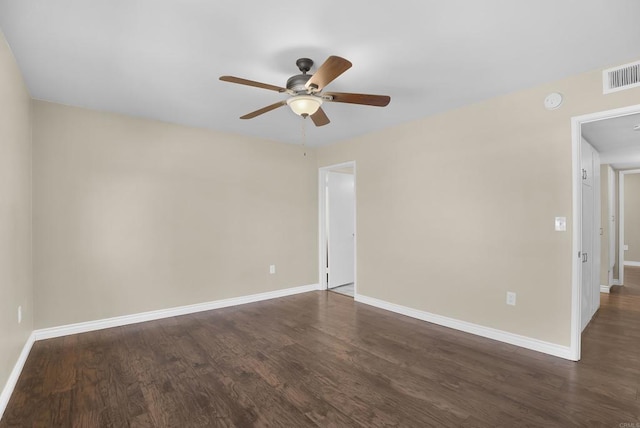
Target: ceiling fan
[(306, 90)]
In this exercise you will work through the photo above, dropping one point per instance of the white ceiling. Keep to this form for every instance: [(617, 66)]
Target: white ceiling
[(616, 140), (161, 59)]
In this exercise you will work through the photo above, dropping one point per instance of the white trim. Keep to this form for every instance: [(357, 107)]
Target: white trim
[(630, 263), (616, 282), (609, 114), (621, 227), (576, 248), (576, 271), (611, 221), (322, 226), (15, 374), (605, 289), (83, 327), (488, 332), (621, 250)]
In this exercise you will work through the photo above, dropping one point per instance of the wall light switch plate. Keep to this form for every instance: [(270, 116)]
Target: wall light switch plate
[(511, 298), (626, 248), (561, 224), (272, 269)]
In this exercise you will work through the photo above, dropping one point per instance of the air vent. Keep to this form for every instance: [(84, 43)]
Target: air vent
[(620, 78)]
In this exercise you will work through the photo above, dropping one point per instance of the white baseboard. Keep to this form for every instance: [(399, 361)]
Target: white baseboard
[(488, 332), (83, 327), (48, 333), (605, 288), (630, 263), (15, 374), (616, 282)]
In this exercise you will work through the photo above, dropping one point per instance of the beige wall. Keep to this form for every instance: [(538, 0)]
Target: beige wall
[(604, 224), (15, 213), (133, 215), (632, 217), (456, 209)]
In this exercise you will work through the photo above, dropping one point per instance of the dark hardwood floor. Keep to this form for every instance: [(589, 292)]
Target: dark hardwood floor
[(319, 359)]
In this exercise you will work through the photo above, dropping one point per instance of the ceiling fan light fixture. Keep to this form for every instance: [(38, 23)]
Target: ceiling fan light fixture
[(304, 105), (305, 90)]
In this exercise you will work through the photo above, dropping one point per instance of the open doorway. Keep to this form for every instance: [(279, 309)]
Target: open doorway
[(629, 224), (605, 148), (618, 141), (338, 228)]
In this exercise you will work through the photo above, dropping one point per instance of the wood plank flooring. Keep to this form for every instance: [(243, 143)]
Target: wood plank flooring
[(319, 359)]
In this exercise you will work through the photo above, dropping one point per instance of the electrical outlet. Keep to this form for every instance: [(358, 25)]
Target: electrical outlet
[(511, 298), (272, 269), (19, 314)]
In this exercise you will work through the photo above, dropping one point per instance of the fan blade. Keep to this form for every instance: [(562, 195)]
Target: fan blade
[(333, 67), (320, 118), (263, 110), (240, 81), (364, 99)]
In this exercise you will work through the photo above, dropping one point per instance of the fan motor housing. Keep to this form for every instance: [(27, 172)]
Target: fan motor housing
[(297, 83)]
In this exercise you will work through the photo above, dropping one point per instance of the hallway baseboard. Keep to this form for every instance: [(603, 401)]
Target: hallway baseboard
[(479, 330)]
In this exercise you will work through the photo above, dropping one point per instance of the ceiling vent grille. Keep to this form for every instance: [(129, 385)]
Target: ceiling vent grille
[(620, 78)]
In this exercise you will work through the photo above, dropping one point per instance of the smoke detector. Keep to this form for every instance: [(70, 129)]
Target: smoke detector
[(553, 101)]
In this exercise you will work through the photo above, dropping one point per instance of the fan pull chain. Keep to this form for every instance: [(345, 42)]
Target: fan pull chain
[(303, 126)]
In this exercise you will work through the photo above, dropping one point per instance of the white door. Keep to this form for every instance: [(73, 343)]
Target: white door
[(341, 228), (590, 232), (587, 271), (612, 222), (587, 163), (597, 234)]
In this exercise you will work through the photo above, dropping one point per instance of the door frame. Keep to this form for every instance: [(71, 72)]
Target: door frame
[(322, 224), (621, 240), (612, 220), (576, 260)]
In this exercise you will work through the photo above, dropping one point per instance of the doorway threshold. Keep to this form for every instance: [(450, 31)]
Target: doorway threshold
[(346, 289)]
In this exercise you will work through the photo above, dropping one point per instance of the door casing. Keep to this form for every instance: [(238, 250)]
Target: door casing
[(611, 224), (576, 203), (322, 224), (621, 239)]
